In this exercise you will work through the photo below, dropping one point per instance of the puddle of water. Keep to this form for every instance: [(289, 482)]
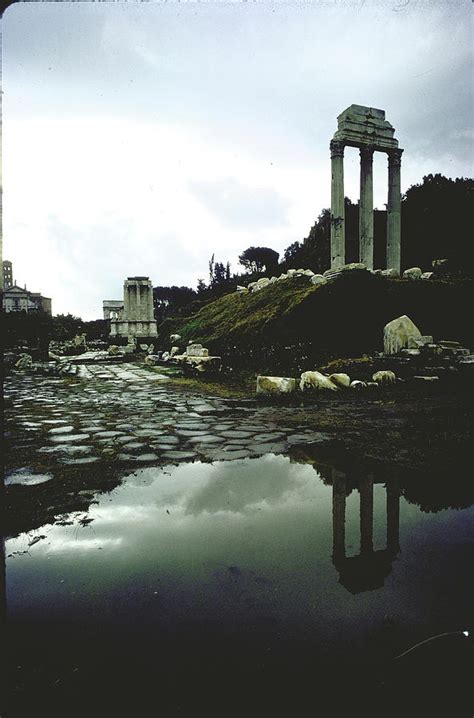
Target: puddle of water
[(244, 573)]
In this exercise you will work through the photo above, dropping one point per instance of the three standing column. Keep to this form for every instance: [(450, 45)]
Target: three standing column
[(394, 210), (366, 208), (337, 205)]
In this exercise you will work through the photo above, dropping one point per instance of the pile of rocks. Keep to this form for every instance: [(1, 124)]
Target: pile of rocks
[(195, 358), (315, 381), (403, 344), (413, 273), (69, 347), (26, 365), (330, 275), (401, 336)]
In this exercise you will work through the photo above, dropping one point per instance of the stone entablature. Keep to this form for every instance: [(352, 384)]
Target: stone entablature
[(359, 125), (134, 317), (367, 129)]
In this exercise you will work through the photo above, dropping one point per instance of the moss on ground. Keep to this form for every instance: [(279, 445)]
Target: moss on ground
[(239, 387), (292, 326), (242, 316)]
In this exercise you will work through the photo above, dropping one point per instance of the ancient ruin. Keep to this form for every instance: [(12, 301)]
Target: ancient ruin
[(367, 129), (134, 317), (112, 308)]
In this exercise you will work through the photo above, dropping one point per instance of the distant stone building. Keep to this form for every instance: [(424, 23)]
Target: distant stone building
[(18, 299), (134, 316), (7, 274)]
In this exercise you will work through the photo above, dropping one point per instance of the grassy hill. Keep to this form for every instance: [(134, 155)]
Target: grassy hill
[(293, 324)]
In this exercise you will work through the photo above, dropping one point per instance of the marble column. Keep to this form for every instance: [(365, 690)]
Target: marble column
[(138, 305), (337, 205), (126, 300), (394, 210), (366, 208)]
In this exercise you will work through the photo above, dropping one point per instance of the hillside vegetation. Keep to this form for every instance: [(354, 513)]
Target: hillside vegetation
[(293, 324)]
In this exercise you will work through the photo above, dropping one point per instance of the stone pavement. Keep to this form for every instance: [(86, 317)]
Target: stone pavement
[(129, 415)]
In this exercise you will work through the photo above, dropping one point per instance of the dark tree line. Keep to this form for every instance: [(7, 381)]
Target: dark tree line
[(169, 301), (36, 329), (437, 223)]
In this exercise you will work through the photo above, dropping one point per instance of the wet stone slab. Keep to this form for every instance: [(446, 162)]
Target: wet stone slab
[(192, 432), (179, 455), (206, 439), (26, 477), (146, 457), (65, 449), (119, 416), (236, 434), (223, 455), (62, 430), (69, 437)]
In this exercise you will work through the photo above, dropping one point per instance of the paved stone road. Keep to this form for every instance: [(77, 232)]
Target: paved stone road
[(128, 414)]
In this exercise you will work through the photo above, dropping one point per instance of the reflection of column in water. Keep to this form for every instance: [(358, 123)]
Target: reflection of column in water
[(338, 515), (366, 492), (393, 516)]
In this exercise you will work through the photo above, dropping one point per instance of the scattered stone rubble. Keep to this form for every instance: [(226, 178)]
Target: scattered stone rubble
[(411, 274), (195, 358), (402, 337), (275, 385), (60, 366), (316, 381), (397, 333), (403, 343), (64, 357)]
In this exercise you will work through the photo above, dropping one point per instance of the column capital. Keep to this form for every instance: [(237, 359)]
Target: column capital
[(395, 157), (337, 148), (366, 152)]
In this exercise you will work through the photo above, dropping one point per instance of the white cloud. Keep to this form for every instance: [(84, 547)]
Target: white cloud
[(143, 138), (109, 197)]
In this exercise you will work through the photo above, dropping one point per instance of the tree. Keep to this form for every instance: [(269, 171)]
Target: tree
[(201, 287), (291, 253), (314, 252), (32, 330), (219, 275), (66, 326), (220, 281), (259, 259), (169, 301), (437, 222)]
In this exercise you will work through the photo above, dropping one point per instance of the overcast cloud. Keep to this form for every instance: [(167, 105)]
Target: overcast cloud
[(143, 138)]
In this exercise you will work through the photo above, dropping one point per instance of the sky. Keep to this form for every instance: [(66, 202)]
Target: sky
[(143, 138)]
